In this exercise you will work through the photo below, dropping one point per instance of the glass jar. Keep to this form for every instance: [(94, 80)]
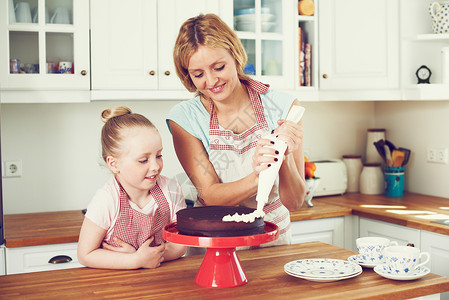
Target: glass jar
[(374, 134), (353, 169), (372, 179)]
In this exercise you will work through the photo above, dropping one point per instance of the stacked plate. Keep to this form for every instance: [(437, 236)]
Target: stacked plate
[(245, 19), (322, 269), (385, 271)]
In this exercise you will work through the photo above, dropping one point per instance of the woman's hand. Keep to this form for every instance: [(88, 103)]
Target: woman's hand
[(264, 155), (291, 133), (122, 246)]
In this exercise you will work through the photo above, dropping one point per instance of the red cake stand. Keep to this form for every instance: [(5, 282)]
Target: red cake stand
[(221, 267)]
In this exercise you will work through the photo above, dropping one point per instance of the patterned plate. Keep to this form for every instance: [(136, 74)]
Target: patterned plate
[(325, 279), (384, 271), (358, 259), (322, 268)]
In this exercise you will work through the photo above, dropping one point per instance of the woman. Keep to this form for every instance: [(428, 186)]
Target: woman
[(218, 134)]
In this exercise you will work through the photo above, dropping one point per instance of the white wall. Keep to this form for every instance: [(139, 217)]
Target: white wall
[(59, 145), (418, 125)]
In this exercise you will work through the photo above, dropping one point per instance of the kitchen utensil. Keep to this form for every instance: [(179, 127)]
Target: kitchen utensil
[(23, 12), (380, 149), (388, 159), (440, 17), (407, 153), (60, 16), (397, 156), (221, 267), (390, 145)]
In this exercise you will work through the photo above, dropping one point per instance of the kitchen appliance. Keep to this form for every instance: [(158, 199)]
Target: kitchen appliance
[(333, 177)]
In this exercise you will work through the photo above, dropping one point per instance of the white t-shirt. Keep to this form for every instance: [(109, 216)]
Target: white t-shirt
[(104, 207)]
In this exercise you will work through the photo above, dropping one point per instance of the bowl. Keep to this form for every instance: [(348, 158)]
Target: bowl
[(311, 186), (251, 11), (252, 18), (250, 26)]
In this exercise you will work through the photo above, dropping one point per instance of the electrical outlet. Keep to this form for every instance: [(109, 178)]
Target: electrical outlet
[(13, 168), (437, 155)]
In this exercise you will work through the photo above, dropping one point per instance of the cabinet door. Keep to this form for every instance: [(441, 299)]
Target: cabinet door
[(124, 44), (2, 261), (403, 235), (358, 44), (44, 45), (329, 230)]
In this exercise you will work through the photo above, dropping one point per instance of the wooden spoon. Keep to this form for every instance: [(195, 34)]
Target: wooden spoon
[(397, 157)]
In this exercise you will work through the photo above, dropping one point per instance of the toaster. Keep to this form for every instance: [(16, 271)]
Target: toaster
[(333, 177)]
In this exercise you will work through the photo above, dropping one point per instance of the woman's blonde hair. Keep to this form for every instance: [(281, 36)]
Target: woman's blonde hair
[(116, 120), (206, 30)]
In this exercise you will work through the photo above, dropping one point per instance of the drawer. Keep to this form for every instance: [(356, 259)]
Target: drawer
[(37, 258)]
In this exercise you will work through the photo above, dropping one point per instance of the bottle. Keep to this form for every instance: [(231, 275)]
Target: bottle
[(372, 179), (374, 134), (353, 169)]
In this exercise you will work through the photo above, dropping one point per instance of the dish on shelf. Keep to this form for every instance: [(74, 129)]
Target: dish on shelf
[(384, 271), (251, 11), (358, 259), (252, 18), (251, 26), (322, 268)]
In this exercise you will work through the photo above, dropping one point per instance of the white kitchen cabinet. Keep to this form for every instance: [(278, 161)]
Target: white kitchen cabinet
[(420, 46), (132, 45), (438, 247), (359, 46), (31, 52), (2, 260), (267, 30), (37, 258), (402, 234), (328, 230)]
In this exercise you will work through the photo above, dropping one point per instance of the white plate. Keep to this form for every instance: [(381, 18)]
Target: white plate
[(322, 268), (359, 260), (325, 279), (383, 271)]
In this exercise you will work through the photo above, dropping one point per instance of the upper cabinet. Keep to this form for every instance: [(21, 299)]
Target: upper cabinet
[(44, 46), (358, 44), (266, 29), (424, 41), (132, 45)]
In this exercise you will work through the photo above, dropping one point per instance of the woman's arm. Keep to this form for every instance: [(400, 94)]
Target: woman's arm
[(196, 164), (90, 253)]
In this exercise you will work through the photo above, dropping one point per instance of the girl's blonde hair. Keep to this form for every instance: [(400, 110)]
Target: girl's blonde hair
[(116, 120), (206, 30)]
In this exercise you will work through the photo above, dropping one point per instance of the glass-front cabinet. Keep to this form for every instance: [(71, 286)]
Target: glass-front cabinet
[(44, 45), (266, 30)]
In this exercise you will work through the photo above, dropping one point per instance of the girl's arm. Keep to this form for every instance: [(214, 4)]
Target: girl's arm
[(90, 253), (196, 164)]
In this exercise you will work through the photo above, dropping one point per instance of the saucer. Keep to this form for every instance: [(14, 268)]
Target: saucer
[(358, 259), (384, 271)]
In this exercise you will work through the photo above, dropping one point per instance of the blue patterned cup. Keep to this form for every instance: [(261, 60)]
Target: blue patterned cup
[(371, 249), (402, 260)]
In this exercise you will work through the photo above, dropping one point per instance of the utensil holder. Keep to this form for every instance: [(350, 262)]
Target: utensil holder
[(394, 181)]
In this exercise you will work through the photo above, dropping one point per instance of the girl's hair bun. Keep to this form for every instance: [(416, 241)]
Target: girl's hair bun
[(112, 112)]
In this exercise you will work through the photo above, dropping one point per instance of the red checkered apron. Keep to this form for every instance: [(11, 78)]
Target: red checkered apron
[(231, 155), (134, 227)]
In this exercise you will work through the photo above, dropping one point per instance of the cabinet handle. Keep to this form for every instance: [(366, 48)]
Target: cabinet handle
[(152, 72), (325, 76), (167, 73), (60, 259), (83, 72)]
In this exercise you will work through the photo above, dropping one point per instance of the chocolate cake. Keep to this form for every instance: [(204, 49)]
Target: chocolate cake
[(207, 221)]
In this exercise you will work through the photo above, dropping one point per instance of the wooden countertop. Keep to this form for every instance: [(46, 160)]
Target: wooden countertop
[(264, 270), (63, 227)]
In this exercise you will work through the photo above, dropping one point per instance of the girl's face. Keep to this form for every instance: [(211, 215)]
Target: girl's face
[(214, 72), (140, 161)]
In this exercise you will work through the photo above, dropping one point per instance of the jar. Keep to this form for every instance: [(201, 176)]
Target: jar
[(353, 169), (374, 135), (394, 181), (372, 179)]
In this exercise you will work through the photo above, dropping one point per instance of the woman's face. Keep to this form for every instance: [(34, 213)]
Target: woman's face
[(214, 72)]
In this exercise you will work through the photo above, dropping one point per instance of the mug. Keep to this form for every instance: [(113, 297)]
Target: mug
[(371, 249), (23, 12), (65, 67), (403, 260), (60, 16)]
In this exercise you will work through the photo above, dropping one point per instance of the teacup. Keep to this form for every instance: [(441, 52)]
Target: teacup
[(371, 249), (402, 260)]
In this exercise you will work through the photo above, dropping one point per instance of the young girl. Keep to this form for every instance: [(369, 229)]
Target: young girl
[(123, 225)]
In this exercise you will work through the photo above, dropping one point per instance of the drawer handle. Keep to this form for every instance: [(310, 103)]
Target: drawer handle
[(60, 259), (84, 72), (167, 73)]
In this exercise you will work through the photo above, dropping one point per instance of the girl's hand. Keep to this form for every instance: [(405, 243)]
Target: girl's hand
[(264, 155), (150, 257), (291, 133), (123, 247)]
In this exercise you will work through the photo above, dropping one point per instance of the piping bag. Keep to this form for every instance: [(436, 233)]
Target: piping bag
[(269, 175)]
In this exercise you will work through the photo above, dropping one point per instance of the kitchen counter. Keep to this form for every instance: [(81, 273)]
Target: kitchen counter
[(63, 227), (264, 269)]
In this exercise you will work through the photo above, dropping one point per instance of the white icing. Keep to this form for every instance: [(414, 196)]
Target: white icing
[(247, 218)]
